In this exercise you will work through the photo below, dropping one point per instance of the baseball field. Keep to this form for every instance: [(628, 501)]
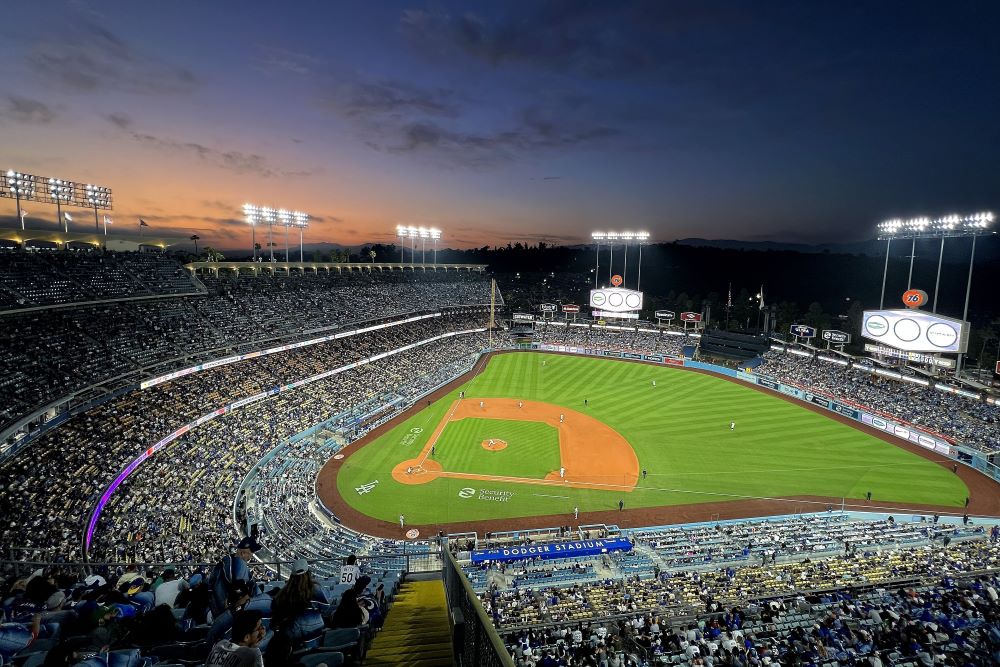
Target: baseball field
[(541, 434)]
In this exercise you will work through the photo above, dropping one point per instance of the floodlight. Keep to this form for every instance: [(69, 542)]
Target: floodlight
[(941, 227), (435, 233)]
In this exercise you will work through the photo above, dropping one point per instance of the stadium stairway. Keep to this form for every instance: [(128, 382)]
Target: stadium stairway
[(416, 632)]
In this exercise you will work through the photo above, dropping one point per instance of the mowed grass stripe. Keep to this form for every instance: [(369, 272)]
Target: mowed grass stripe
[(680, 432)]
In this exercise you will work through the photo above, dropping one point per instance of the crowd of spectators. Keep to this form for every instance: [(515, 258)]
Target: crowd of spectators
[(178, 505), (49, 488), (625, 340), (192, 614), (968, 421), (54, 352), (920, 605), (32, 278)]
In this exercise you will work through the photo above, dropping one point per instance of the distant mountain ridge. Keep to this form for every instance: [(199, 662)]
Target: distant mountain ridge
[(956, 250)]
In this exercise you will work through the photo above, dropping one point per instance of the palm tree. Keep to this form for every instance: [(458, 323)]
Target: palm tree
[(195, 237), (371, 253)]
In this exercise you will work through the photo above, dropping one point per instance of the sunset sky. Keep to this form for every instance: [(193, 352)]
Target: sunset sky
[(520, 120)]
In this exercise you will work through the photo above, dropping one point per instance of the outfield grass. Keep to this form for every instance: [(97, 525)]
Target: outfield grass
[(679, 430), (532, 448)]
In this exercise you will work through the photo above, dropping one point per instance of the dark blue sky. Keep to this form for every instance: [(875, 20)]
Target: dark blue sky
[(796, 121)]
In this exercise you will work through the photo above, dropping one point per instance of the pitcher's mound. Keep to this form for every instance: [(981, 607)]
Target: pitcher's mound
[(494, 445)]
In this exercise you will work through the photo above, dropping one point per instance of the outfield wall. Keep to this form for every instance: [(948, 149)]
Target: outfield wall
[(895, 427)]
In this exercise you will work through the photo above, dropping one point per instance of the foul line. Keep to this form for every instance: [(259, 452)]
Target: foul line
[(545, 495)]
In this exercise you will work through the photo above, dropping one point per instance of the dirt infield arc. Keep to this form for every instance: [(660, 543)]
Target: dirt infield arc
[(590, 451)]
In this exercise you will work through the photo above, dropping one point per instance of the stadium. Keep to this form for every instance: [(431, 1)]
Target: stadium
[(550, 475), (556, 334)]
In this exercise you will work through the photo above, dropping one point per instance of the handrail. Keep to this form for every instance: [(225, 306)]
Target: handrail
[(473, 651)]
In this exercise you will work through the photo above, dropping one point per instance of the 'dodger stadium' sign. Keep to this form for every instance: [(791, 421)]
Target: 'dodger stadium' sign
[(553, 550)]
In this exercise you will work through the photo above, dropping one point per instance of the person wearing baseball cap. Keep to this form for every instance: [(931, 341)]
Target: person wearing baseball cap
[(247, 547)]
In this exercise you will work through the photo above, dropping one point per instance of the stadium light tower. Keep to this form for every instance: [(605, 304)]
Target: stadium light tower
[(285, 220), (256, 215), (625, 238), (435, 235), (60, 191), (948, 226), (252, 216), (598, 237), (98, 198), (402, 232), (300, 220), (19, 186)]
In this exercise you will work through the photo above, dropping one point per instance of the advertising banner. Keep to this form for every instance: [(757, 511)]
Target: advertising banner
[(658, 358), (789, 390), (665, 314), (570, 308), (615, 299), (766, 382), (803, 331), (631, 355), (836, 337), (821, 401), (523, 317), (907, 433), (916, 331), (607, 313), (548, 307), (917, 357), (690, 317), (554, 550), (846, 411)]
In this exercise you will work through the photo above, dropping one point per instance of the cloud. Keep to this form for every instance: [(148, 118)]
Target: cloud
[(592, 37), (27, 110), (534, 131), (387, 97), (120, 120), (230, 160), (276, 60), (82, 56)]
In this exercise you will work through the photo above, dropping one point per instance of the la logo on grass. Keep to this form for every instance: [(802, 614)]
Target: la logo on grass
[(366, 488)]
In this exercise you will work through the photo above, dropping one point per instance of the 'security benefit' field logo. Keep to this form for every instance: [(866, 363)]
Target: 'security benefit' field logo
[(366, 488), (486, 494)]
